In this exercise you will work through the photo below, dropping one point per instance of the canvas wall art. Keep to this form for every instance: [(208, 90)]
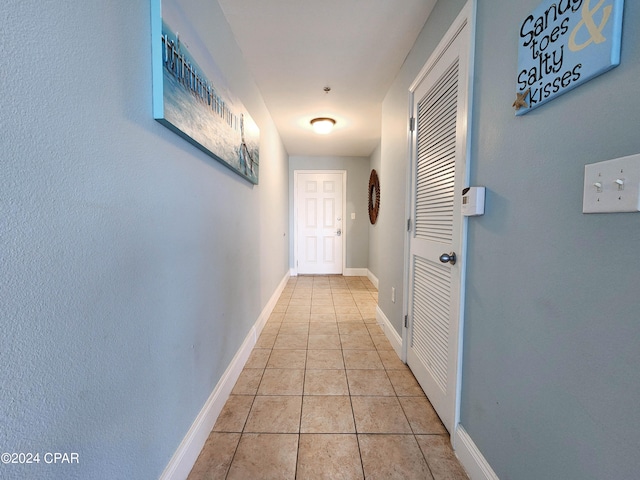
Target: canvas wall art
[(563, 44), (191, 96)]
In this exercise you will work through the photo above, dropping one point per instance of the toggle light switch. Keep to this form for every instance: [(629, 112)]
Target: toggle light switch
[(612, 186)]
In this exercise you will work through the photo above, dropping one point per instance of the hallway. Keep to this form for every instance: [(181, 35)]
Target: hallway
[(323, 395)]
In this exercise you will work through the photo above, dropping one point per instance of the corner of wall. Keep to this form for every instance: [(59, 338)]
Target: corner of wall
[(470, 456), (394, 338)]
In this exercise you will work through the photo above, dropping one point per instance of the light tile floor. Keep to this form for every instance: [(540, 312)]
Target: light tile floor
[(324, 396)]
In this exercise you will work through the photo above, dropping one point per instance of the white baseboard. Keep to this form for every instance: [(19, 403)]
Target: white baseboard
[(372, 278), (355, 272), (268, 308), (470, 457), (348, 272), (187, 453), (394, 338)]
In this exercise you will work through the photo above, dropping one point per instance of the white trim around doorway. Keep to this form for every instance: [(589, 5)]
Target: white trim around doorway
[(466, 17)]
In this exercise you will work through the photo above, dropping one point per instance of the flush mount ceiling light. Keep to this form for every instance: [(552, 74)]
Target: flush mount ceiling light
[(323, 125)]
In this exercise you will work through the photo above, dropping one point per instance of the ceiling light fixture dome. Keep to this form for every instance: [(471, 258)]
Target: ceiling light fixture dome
[(323, 125)]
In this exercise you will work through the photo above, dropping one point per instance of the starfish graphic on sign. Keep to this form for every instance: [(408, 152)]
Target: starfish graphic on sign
[(521, 99)]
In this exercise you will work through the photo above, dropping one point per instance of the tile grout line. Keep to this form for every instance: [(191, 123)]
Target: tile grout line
[(353, 414), (271, 351), (244, 425), (242, 433), (304, 379)]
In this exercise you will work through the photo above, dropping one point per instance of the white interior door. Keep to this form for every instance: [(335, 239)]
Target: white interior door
[(319, 225), (440, 99)]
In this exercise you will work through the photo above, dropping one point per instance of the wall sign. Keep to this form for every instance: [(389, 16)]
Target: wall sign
[(191, 96), (563, 44)]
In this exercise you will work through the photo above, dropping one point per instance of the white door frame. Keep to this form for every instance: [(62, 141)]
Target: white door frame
[(294, 270), (467, 16)]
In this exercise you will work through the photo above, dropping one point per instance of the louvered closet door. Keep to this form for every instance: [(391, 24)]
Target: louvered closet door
[(438, 167)]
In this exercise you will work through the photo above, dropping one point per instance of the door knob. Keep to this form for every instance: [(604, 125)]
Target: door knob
[(448, 258), (339, 232)]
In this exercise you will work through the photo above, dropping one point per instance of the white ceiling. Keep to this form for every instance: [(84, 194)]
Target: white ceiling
[(294, 48)]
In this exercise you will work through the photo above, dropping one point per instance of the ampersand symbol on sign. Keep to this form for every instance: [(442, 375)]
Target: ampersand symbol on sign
[(595, 31)]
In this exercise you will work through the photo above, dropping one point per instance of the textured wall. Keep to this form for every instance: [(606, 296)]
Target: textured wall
[(550, 377), (357, 248), (132, 265)]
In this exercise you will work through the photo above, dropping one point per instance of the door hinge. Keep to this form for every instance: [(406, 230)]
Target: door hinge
[(412, 124), (406, 321), (408, 224)]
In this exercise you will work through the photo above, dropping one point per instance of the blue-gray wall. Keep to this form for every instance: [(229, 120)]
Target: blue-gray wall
[(357, 168), (550, 377), (550, 370), (132, 266)]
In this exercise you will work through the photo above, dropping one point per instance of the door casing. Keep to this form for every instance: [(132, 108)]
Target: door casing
[(467, 16)]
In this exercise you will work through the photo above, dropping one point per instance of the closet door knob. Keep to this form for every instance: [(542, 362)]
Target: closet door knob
[(448, 258)]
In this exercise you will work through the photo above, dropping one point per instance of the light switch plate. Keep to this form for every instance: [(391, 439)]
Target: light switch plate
[(612, 186)]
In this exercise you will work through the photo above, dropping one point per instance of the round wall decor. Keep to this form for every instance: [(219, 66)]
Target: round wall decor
[(374, 196)]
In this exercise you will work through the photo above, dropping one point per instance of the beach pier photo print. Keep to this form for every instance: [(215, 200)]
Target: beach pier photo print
[(191, 96)]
